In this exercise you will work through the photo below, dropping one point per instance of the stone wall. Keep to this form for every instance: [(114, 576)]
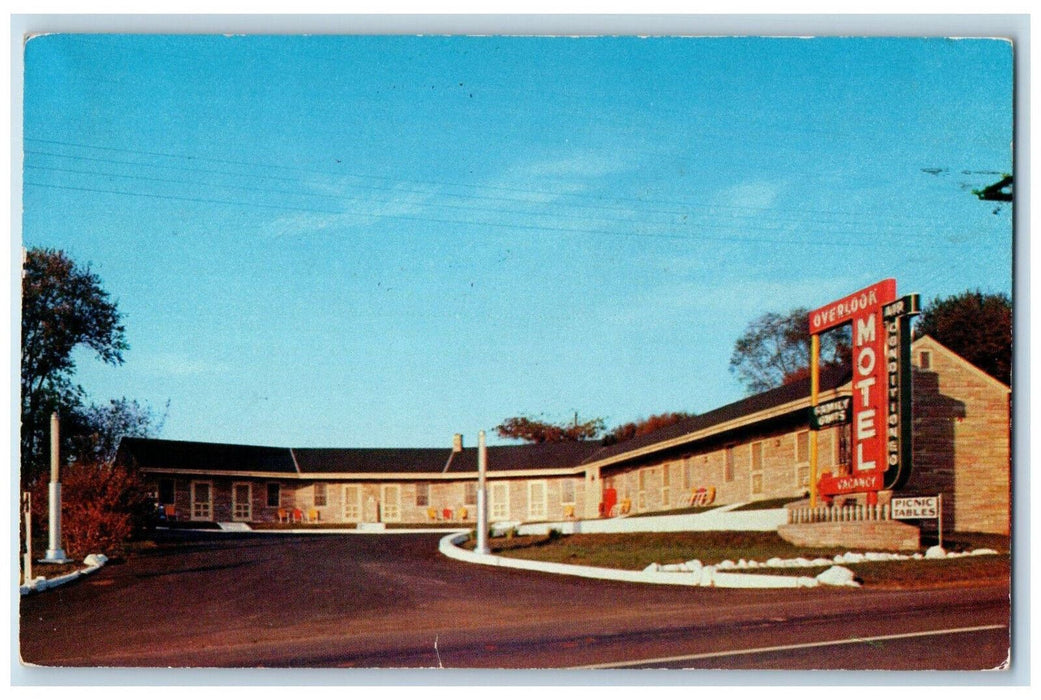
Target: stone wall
[(961, 440), (872, 535)]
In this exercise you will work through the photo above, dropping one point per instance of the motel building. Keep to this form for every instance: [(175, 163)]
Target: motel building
[(756, 449)]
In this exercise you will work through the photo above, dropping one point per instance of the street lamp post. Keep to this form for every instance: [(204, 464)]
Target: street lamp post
[(482, 496), (55, 553)]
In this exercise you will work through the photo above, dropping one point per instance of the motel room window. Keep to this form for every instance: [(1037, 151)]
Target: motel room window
[(802, 459), (641, 489), (757, 467), (802, 447), (241, 502), (352, 503), (537, 500), (202, 500), (274, 495), (688, 473), (422, 494), (728, 464), (321, 495), (666, 480), (166, 491), (757, 483), (567, 491), (757, 456), (844, 458), (470, 493)]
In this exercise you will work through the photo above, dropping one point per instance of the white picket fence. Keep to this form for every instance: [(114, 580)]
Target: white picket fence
[(838, 514)]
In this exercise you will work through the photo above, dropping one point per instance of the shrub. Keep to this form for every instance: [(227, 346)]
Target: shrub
[(102, 505)]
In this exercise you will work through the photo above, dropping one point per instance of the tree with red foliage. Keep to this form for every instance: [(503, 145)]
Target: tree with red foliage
[(628, 431), (539, 431), (102, 504)]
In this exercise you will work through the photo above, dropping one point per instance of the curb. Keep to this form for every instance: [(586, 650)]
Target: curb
[(704, 576), (93, 562)]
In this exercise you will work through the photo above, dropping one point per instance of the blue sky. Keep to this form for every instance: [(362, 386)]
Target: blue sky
[(381, 241)]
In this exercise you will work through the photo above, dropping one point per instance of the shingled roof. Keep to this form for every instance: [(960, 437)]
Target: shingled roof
[(830, 378), (202, 456), (206, 456)]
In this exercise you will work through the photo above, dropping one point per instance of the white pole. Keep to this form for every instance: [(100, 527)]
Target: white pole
[(55, 553), (482, 496), (27, 511), (939, 521)]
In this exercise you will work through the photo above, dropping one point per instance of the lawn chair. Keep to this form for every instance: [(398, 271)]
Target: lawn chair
[(312, 515), (431, 514), (298, 515), (463, 513), (447, 513), (569, 512), (170, 511), (283, 515)]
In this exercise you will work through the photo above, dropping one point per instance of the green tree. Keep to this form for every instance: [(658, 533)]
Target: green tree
[(63, 307), (975, 325), (775, 350), (98, 429)]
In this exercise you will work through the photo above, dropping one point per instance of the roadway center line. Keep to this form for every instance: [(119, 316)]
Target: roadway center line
[(789, 647)]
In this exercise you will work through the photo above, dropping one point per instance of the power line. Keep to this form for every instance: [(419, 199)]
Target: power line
[(598, 205), (457, 222), (753, 214), (436, 206)]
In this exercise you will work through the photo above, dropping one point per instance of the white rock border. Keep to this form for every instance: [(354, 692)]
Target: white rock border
[(726, 574), (93, 563)]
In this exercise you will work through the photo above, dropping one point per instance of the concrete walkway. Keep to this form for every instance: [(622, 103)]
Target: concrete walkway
[(717, 519)]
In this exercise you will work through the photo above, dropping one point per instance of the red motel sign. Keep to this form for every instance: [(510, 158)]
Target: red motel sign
[(863, 310)]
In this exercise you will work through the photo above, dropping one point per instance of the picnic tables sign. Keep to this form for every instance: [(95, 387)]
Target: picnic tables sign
[(919, 508)]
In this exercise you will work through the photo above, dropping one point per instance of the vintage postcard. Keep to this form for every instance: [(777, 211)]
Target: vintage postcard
[(491, 351)]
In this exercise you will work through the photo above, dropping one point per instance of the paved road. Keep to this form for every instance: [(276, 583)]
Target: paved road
[(393, 601)]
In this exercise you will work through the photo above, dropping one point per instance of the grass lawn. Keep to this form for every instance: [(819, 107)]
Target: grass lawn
[(635, 551)]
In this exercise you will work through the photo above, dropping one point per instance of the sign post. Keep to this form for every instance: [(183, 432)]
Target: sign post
[(920, 508), (815, 351)]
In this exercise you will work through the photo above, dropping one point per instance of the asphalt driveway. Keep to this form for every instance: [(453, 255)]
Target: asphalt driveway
[(249, 600)]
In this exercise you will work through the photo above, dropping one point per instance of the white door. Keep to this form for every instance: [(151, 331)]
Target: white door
[(352, 503), (241, 502), (537, 500), (202, 500), (500, 500), (390, 502)]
